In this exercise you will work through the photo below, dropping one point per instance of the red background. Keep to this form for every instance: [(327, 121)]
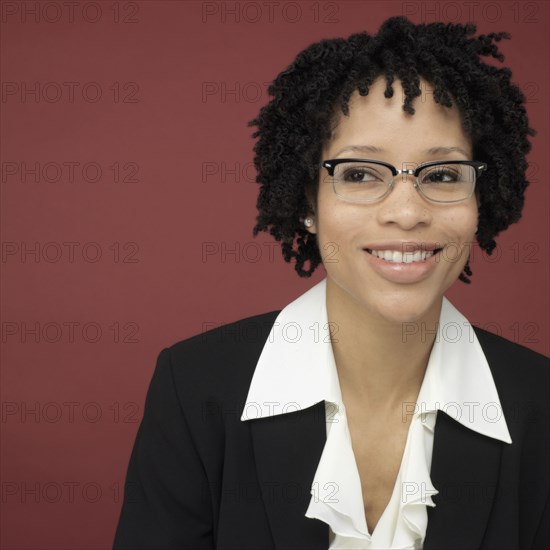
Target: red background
[(178, 80)]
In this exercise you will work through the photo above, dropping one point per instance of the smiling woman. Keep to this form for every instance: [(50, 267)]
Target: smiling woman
[(368, 413)]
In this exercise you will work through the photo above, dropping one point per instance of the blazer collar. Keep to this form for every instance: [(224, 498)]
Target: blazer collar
[(465, 470), (287, 449)]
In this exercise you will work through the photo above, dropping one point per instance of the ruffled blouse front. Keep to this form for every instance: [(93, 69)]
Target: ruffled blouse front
[(337, 497)]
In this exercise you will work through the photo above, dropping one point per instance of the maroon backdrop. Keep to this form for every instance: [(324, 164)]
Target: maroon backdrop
[(128, 199)]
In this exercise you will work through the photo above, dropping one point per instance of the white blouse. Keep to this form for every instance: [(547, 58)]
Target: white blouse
[(296, 370)]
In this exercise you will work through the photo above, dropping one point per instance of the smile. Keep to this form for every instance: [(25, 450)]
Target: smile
[(397, 256)]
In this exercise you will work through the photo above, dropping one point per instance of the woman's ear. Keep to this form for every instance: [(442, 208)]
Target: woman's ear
[(310, 225), (310, 221)]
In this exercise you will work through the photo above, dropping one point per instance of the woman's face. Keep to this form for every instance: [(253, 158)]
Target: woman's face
[(404, 220)]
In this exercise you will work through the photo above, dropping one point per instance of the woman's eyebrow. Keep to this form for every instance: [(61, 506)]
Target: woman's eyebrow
[(374, 149), (361, 149), (445, 151)]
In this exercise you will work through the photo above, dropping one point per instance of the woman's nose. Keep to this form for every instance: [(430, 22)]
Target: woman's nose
[(404, 206)]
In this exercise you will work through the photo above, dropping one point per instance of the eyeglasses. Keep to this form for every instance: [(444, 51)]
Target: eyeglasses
[(364, 180)]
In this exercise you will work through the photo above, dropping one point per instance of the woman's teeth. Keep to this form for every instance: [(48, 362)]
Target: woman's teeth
[(403, 257)]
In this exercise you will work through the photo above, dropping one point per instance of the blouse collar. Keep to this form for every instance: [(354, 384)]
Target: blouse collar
[(296, 369)]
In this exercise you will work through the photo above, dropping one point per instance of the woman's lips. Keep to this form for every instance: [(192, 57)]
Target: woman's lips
[(407, 257), (403, 267)]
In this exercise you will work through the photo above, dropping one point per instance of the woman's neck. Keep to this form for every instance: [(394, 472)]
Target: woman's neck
[(380, 363)]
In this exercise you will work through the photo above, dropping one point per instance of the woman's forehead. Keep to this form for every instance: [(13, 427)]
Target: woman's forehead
[(380, 124)]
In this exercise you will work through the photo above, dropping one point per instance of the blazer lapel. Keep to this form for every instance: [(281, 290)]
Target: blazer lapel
[(465, 471), (287, 450)]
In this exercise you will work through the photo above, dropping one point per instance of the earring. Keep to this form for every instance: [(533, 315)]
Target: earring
[(308, 222)]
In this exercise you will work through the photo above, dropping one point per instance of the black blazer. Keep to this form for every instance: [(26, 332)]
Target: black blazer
[(200, 478)]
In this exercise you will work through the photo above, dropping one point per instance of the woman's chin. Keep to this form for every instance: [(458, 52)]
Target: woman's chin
[(404, 310)]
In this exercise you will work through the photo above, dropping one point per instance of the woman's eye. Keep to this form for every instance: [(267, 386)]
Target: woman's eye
[(441, 176), (358, 176)]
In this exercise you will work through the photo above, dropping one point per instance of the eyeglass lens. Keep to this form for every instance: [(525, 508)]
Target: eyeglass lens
[(366, 181)]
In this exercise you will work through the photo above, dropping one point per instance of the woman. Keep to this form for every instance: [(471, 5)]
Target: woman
[(368, 413)]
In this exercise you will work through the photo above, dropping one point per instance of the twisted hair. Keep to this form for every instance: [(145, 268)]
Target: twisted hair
[(294, 126)]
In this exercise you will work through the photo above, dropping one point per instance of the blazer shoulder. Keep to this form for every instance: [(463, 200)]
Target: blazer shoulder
[(519, 372), (510, 352), (221, 360), (240, 334)]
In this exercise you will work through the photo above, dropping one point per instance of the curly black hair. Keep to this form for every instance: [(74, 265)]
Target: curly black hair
[(297, 122)]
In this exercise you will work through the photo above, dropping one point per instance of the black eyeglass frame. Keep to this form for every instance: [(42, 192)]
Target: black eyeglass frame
[(479, 167)]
